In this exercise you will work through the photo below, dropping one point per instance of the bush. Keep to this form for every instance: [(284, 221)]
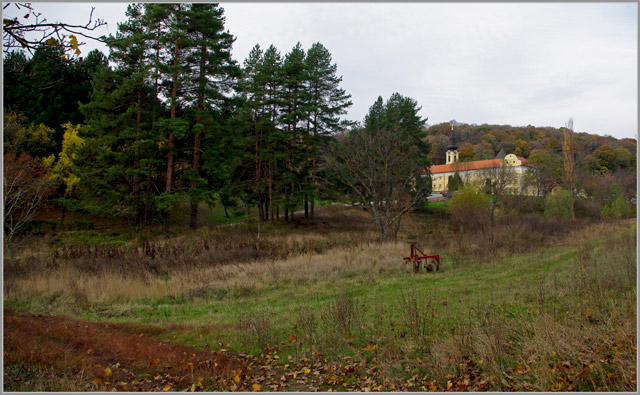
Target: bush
[(470, 209), (588, 208), (559, 204), (523, 204), (454, 183), (618, 208)]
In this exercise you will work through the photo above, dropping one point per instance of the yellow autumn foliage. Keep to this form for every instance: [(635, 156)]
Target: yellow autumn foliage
[(63, 168)]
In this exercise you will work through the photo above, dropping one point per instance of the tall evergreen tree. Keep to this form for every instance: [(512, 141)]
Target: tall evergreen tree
[(254, 92), (169, 21), (118, 159), (295, 97), (271, 77), (213, 74), (327, 102)]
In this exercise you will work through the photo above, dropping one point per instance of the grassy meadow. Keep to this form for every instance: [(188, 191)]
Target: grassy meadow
[(530, 304)]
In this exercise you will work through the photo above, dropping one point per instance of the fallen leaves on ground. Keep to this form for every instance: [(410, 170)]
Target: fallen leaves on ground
[(118, 358)]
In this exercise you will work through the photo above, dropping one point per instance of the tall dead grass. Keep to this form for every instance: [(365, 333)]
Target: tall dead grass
[(580, 335), (98, 282)]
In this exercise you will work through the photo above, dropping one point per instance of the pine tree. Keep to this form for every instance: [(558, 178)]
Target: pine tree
[(213, 74), (119, 156), (262, 88), (169, 22), (294, 99), (327, 101), (271, 76), (254, 92)]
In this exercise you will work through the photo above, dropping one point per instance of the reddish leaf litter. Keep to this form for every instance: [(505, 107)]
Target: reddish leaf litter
[(111, 356)]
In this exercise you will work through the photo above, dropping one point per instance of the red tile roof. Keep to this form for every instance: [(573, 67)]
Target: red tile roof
[(465, 166)]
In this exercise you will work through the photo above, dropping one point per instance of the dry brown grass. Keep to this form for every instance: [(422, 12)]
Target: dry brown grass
[(193, 267), (579, 333), (71, 285)]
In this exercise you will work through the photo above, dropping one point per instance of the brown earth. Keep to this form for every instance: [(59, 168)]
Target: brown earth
[(110, 356), (98, 356)]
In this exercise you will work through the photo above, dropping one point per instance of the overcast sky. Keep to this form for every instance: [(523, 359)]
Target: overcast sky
[(493, 63)]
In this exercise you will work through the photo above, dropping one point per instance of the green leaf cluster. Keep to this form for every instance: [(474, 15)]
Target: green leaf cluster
[(559, 204)]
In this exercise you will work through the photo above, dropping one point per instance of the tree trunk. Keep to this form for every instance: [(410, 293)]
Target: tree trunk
[(384, 233), (155, 86), (165, 224), (313, 183), (396, 228), (174, 92), (193, 218), (313, 166), (136, 162), (270, 193), (260, 207), (197, 141), (382, 227)]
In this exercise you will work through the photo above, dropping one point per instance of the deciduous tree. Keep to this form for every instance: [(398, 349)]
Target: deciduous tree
[(470, 209), (544, 172), (26, 185), (30, 31), (384, 163)]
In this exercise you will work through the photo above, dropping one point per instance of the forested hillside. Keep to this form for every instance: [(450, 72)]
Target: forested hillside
[(600, 161)]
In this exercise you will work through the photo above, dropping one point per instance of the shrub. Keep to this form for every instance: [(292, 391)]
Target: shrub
[(470, 209), (523, 204), (455, 183), (588, 208), (559, 204), (618, 208)]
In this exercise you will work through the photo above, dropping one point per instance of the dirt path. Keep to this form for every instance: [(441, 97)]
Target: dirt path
[(109, 356), (42, 351)]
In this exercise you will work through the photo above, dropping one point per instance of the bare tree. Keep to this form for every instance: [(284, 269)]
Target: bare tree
[(31, 31), (497, 181), (382, 169), (26, 185)]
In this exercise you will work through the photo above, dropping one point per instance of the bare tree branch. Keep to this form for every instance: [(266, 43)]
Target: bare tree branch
[(377, 167), (33, 37), (25, 186)]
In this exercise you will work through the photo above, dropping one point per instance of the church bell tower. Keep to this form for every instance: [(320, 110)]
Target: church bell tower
[(452, 149)]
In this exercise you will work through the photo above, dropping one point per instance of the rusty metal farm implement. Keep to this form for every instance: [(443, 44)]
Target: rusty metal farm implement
[(431, 262)]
